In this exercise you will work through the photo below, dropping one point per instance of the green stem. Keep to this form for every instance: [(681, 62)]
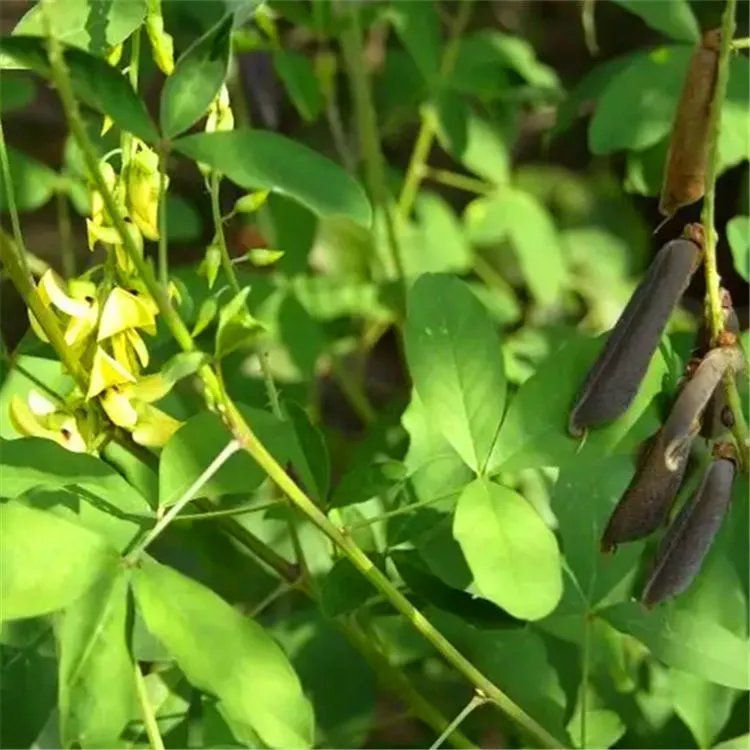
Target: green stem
[(458, 181), (427, 126), (217, 398), (67, 253), (12, 258), (227, 512), (714, 311), (149, 719), (271, 391), (15, 222), (585, 659), (401, 511), (475, 702), (226, 260), (126, 140), (278, 592), (367, 126), (743, 43), (221, 458)]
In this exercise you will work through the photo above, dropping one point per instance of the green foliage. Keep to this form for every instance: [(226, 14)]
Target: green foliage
[(405, 522)]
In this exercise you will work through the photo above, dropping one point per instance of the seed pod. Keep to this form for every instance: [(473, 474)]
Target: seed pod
[(689, 538), (683, 421), (685, 168), (646, 502), (615, 377)]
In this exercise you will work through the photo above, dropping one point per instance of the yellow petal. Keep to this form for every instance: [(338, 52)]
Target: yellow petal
[(136, 342), (25, 422), (150, 388), (59, 298), (123, 353), (69, 436), (107, 124), (37, 328), (106, 372), (154, 427), (100, 233), (79, 329), (114, 55), (118, 408), (123, 310), (143, 192)]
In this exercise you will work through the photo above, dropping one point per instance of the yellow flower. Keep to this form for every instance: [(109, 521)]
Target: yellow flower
[(124, 310), (40, 418), (154, 427), (162, 45), (105, 373), (220, 116), (142, 191)]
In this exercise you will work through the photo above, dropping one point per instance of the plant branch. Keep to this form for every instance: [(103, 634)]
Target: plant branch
[(218, 399), (226, 261), (714, 312), (11, 199), (149, 719), (427, 126), (221, 458), (475, 702), (67, 253), (367, 125)]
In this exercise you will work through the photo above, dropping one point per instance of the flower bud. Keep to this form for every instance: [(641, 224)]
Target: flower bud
[(162, 45), (142, 183)]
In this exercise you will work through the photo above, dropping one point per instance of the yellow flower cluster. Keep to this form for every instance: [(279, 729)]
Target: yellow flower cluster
[(104, 325)]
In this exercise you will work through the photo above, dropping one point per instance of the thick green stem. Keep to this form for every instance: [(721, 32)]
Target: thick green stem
[(217, 398), (427, 125), (149, 719), (67, 252), (714, 312), (11, 200), (367, 126)]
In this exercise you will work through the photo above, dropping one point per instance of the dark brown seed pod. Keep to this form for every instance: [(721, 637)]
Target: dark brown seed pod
[(646, 502), (688, 539), (684, 419), (685, 169), (614, 379)]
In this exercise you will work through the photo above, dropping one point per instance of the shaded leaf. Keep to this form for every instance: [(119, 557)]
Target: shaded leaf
[(97, 83), (196, 79), (674, 18), (300, 82), (33, 183), (418, 26), (738, 235)]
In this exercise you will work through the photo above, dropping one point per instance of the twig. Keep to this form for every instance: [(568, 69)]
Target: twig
[(11, 199), (475, 702), (67, 253), (149, 720)]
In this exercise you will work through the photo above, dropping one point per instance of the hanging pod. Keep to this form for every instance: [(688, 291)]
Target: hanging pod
[(685, 169), (646, 502), (684, 419), (614, 379), (688, 539)]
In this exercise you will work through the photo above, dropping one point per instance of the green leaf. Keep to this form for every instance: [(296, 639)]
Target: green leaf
[(184, 223), (344, 589), (518, 216), (19, 90), (512, 554), (96, 686), (104, 502), (686, 641), (45, 561), (189, 452), (223, 652), (97, 83), (195, 80), (455, 362), (703, 707), (300, 82), (91, 26), (635, 110), (418, 26), (477, 142), (738, 235), (585, 495), (237, 328), (260, 160), (33, 183), (674, 18), (435, 243), (301, 334), (434, 591), (534, 432), (734, 145), (311, 454), (645, 169)]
